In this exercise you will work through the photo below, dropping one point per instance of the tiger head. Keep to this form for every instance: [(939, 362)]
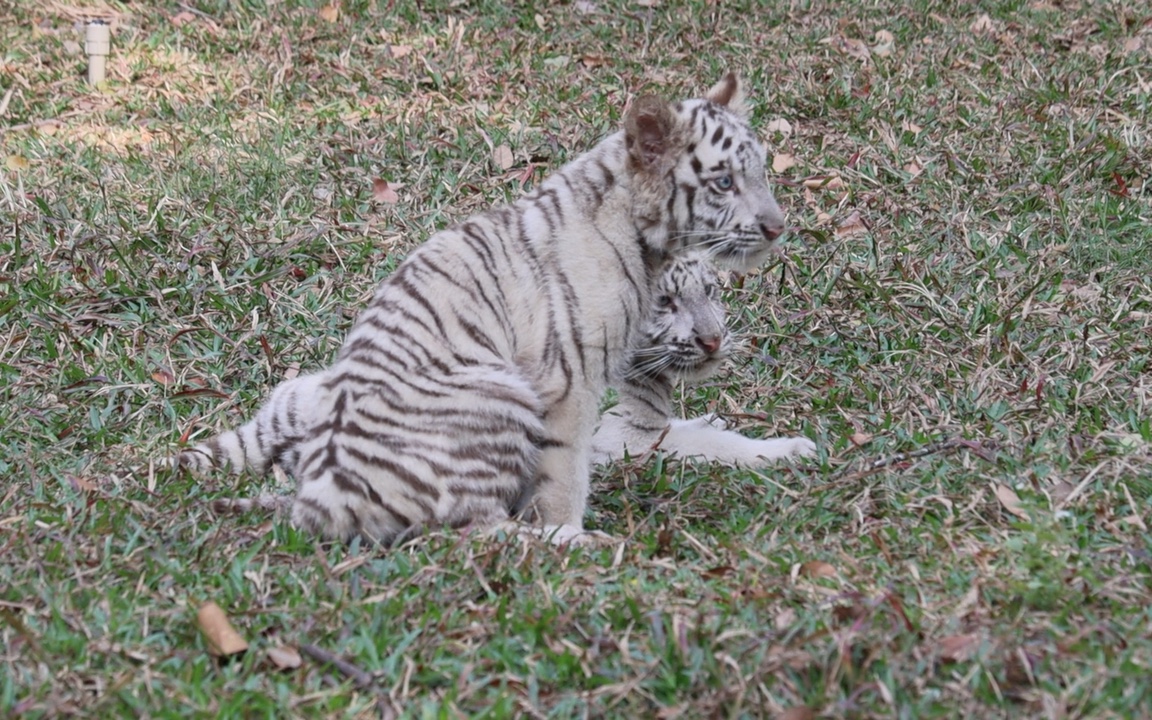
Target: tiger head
[(699, 177), (684, 334)]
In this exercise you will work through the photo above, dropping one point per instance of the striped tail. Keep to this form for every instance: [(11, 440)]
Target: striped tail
[(271, 436)]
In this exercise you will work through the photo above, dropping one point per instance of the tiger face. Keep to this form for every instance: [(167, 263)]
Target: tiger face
[(684, 334), (711, 170)]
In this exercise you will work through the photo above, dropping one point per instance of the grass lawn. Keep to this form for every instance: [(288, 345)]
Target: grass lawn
[(962, 322)]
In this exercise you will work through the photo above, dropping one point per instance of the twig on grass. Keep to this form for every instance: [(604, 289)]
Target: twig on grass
[(361, 679)]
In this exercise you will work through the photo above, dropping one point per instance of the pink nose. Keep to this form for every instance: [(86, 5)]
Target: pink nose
[(709, 344), (771, 231)]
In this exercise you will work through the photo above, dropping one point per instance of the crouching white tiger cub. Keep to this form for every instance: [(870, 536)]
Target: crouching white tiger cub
[(684, 338), (467, 391)]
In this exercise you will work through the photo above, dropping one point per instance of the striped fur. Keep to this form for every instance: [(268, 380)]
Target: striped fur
[(685, 339), (467, 391)]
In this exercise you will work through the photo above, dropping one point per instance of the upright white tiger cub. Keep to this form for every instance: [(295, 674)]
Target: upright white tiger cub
[(467, 391), (684, 338)]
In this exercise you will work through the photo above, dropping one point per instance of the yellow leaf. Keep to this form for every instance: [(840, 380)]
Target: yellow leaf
[(824, 182), (957, 648), (980, 25), (330, 13), (852, 225), (385, 192), (221, 636), (817, 569), (1009, 500), (782, 161), (17, 162), (285, 657), (779, 125), (502, 156), (884, 43)]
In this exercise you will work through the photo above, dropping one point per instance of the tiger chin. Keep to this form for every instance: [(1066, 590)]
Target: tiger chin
[(685, 339), (466, 393)]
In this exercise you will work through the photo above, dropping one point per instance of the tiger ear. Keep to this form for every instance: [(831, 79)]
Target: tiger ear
[(648, 130), (729, 92)]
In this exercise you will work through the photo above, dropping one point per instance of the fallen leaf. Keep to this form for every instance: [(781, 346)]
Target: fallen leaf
[(824, 182), (784, 619), (913, 169), (911, 127), (779, 125), (592, 61), (557, 62), (540, 22), (852, 225), (399, 51), (384, 192), (860, 438), (883, 43), (823, 218), (798, 712), (1060, 491), (80, 484), (285, 657), (852, 47), (182, 18), (584, 7), (1009, 500), (957, 648), (817, 569), (164, 377), (782, 161), (648, 3), (981, 25), (502, 156), (330, 13), (1132, 44), (17, 162), (223, 640)]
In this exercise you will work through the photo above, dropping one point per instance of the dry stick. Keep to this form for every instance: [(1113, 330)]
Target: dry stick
[(360, 678), (948, 445)]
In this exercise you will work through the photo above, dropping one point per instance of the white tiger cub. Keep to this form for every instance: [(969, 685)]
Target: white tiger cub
[(685, 338), (467, 391)]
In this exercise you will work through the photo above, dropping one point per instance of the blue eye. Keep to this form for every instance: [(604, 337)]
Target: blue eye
[(724, 182)]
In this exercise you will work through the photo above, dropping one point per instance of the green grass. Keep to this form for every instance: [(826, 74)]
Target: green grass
[(181, 237)]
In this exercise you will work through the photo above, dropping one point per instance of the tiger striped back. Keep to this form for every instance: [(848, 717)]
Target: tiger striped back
[(467, 390)]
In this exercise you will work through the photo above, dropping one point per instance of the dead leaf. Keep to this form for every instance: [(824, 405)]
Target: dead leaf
[(399, 51), (648, 3), (883, 43), (285, 657), (1132, 44), (1009, 500), (330, 13), (958, 648), (80, 484), (911, 127), (784, 619), (164, 377), (540, 22), (17, 162), (782, 161), (798, 712), (817, 569), (779, 125), (223, 640), (1060, 491), (182, 18), (385, 192), (851, 47), (852, 225), (584, 7), (824, 182), (860, 438), (913, 169), (502, 156), (592, 61), (981, 25)]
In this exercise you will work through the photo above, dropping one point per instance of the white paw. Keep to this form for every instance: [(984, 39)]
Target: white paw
[(572, 536), (801, 447)]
